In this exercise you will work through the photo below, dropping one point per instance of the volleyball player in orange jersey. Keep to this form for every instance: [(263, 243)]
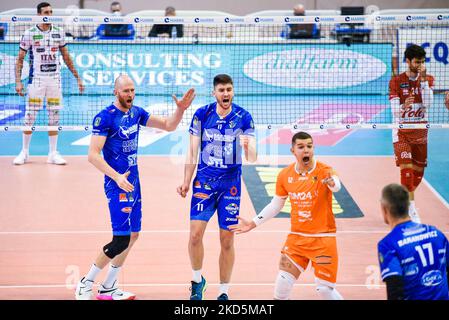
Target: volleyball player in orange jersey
[(411, 94), (309, 185)]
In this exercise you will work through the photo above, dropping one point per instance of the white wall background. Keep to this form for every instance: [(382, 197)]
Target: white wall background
[(237, 7)]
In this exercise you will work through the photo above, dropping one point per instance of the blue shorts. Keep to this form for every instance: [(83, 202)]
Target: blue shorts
[(125, 209), (221, 195)]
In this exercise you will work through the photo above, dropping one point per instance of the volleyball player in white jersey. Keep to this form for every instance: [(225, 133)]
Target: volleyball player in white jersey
[(43, 42)]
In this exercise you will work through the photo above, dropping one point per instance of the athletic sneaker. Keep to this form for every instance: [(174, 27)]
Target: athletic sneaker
[(55, 158), (21, 158), (84, 289), (223, 296), (198, 289), (114, 293)]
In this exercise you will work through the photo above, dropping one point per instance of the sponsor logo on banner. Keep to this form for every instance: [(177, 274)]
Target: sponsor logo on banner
[(314, 68), (201, 195), (136, 20), (416, 18), (127, 210)]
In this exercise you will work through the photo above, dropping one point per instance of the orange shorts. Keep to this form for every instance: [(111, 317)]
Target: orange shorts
[(322, 251)]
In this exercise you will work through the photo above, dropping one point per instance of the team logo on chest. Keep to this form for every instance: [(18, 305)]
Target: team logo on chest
[(125, 132)]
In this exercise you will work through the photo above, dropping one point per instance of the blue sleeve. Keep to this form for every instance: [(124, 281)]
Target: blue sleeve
[(101, 124), (144, 116), (388, 261), (195, 124), (248, 125)]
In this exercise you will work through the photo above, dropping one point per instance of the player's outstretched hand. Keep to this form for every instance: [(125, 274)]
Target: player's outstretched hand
[(19, 89), (183, 190), (243, 226), (186, 100), (329, 181), (123, 183)]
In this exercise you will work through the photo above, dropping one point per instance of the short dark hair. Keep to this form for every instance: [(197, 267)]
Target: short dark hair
[(414, 51), (301, 136), (397, 199), (42, 5), (115, 3), (222, 79), (170, 10)]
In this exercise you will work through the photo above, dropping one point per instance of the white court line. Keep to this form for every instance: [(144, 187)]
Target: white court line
[(5, 233), (270, 284), (436, 193)]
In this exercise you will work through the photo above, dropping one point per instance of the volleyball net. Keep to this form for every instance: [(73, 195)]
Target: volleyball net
[(301, 72)]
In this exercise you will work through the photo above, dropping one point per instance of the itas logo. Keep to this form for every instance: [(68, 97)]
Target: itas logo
[(45, 19), (197, 20), (287, 19), (432, 278), (167, 20), (226, 20), (136, 20), (441, 17), (317, 19), (75, 19), (347, 19), (256, 20), (406, 155), (106, 19), (21, 19), (416, 18), (14, 19)]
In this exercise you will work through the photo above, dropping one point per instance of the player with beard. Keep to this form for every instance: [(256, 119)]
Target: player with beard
[(309, 185), (411, 94), (220, 130), (116, 133)]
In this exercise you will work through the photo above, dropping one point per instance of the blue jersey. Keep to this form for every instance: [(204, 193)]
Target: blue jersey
[(419, 253), (221, 153), (122, 134)]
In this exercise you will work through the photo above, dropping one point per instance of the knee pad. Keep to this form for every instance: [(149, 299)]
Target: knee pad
[(284, 285), (407, 179), (116, 246), (417, 177), (53, 117), (326, 292), (30, 117)]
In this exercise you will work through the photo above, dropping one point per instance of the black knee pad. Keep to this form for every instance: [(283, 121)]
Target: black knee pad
[(116, 246)]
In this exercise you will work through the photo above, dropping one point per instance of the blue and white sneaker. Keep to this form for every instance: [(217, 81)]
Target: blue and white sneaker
[(223, 296), (198, 289)]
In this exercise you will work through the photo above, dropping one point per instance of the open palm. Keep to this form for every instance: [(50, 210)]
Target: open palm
[(186, 100)]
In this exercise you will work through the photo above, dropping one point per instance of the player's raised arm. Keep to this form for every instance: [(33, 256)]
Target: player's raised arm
[(171, 123), (96, 145), (446, 100), (69, 62), (426, 87), (190, 165)]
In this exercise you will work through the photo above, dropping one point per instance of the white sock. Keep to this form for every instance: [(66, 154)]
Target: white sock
[(111, 277), (224, 287), (284, 285), (93, 272), (26, 140), (328, 293), (196, 276), (52, 140)]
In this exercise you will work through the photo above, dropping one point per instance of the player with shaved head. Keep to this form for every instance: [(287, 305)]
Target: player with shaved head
[(115, 133)]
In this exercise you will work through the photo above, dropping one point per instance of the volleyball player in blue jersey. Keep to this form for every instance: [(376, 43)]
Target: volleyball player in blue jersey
[(220, 130), (413, 257), (115, 133)]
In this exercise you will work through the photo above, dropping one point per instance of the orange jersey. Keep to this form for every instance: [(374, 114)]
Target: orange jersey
[(311, 200), (402, 87)]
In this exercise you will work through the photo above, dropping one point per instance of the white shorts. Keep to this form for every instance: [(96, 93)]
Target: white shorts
[(41, 88)]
